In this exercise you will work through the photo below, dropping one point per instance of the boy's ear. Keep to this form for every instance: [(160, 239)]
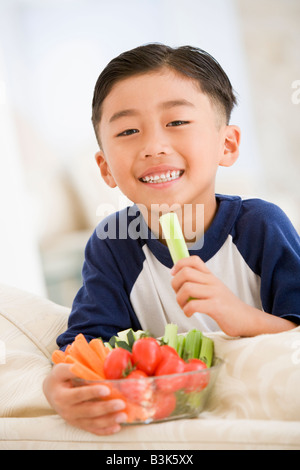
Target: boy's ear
[(104, 169), (232, 139)]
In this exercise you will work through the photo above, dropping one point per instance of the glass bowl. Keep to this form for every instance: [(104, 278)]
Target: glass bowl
[(162, 398)]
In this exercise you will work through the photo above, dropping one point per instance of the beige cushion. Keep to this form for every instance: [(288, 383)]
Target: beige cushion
[(260, 378), (28, 328), (255, 402)]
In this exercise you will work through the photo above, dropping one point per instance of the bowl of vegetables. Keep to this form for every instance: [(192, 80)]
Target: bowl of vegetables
[(159, 379)]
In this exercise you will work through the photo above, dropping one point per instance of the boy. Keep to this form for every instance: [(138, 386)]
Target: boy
[(161, 117)]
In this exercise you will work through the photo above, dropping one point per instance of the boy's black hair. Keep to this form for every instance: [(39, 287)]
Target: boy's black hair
[(187, 60)]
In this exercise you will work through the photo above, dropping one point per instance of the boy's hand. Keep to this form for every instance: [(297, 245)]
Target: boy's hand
[(82, 406), (198, 290)]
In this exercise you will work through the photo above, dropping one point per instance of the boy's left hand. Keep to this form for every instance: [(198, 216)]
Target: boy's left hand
[(198, 290)]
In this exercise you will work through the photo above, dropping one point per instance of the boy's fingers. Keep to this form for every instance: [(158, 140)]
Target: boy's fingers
[(202, 305), (193, 262), (63, 372), (73, 395), (102, 425), (191, 291), (188, 274), (94, 409), (87, 393)]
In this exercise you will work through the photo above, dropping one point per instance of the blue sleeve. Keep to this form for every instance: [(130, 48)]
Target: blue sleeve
[(102, 306), (271, 247)]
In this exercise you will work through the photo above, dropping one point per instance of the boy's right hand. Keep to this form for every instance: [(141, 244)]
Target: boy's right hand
[(82, 406)]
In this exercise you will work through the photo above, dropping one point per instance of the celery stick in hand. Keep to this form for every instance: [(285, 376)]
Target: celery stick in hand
[(174, 236)]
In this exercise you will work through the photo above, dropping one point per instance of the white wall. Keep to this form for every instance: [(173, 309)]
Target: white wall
[(19, 257)]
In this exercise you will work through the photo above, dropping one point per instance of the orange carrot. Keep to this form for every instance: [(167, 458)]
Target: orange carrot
[(88, 356), (98, 347), (80, 370), (136, 412), (75, 352), (58, 356)]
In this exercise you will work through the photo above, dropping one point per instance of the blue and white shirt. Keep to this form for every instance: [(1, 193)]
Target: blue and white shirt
[(251, 246)]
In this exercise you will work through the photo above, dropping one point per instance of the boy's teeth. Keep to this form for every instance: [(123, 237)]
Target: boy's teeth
[(169, 176)]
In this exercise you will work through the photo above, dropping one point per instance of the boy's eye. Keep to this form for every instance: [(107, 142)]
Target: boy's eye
[(128, 132), (177, 123)]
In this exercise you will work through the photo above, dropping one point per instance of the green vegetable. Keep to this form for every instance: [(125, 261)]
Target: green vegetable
[(207, 351), (170, 336), (180, 345), (188, 346), (192, 344), (125, 339), (174, 236)]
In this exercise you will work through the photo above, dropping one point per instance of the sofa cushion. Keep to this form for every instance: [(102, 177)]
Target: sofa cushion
[(29, 326), (260, 378)]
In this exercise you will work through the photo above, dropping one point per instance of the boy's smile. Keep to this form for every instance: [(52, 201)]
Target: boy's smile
[(161, 175), (163, 140)]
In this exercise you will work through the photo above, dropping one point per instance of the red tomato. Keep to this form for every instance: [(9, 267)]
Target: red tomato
[(196, 381), (117, 364), (137, 374), (166, 351), (146, 354), (137, 390), (164, 404), (172, 365)]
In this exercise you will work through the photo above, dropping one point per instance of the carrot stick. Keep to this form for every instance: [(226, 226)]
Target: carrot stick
[(75, 352), (58, 356), (81, 371), (89, 357), (99, 348), (136, 412)]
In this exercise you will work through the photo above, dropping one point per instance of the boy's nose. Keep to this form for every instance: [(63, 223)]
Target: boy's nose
[(155, 154), (155, 145)]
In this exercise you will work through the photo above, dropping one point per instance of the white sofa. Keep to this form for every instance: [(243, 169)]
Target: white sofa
[(255, 404)]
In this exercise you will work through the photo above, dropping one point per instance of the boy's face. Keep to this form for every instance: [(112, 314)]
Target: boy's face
[(163, 140)]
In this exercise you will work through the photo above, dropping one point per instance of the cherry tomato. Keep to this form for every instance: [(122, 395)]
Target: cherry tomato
[(166, 351), (164, 404), (137, 390), (117, 364), (196, 381), (137, 374), (146, 354), (172, 365)]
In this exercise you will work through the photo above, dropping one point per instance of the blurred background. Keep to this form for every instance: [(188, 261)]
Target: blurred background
[(51, 53)]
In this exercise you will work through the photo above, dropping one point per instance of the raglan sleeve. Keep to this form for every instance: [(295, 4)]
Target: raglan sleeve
[(279, 263), (102, 305)]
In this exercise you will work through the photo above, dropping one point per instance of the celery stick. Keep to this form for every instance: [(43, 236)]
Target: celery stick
[(170, 336), (192, 344), (207, 351), (180, 344), (174, 237)]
